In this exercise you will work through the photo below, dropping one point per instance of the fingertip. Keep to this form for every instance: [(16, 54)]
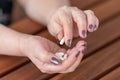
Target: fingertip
[(68, 40), (84, 33), (59, 35), (92, 28)]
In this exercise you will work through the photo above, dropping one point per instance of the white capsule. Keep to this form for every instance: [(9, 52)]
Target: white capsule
[(65, 56), (62, 41), (61, 55)]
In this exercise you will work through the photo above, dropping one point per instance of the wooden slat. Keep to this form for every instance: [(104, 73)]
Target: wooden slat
[(91, 39), (109, 8), (29, 69), (104, 10), (95, 65), (27, 26), (97, 9), (82, 4), (114, 75), (9, 63)]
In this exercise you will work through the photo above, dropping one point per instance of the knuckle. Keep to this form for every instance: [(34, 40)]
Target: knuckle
[(75, 8), (61, 13), (68, 34), (68, 21), (90, 11), (64, 7)]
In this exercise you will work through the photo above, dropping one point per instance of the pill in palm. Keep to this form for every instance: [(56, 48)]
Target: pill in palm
[(62, 41), (61, 55)]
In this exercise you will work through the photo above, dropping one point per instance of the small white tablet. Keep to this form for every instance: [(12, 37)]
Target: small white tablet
[(62, 41), (62, 56)]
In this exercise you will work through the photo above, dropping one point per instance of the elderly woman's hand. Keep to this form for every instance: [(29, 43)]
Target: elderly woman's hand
[(69, 22), (42, 53)]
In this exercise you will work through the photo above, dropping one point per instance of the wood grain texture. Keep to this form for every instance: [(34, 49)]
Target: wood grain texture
[(29, 73), (8, 63), (114, 75), (82, 4), (27, 26)]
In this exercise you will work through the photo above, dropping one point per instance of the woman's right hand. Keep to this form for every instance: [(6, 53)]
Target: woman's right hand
[(42, 53)]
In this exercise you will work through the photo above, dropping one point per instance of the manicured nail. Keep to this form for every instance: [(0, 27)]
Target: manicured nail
[(84, 33), (85, 45), (84, 50), (69, 42), (93, 28), (54, 61), (78, 53)]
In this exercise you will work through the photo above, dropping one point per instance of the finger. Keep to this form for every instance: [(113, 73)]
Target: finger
[(80, 19), (40, 65), (67, 63), (80, 46), (75, 31), (48, 57), (60, 35), (47, 64), (67, 23), (55, 28), (97, 22), (92, 21), (75, 65)]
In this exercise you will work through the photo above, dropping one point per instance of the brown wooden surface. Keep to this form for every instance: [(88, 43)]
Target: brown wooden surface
[(114, 75), (27, 26), (102, 45)]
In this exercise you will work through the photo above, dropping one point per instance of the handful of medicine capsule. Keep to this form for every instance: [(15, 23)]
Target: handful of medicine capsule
[(62, 56)]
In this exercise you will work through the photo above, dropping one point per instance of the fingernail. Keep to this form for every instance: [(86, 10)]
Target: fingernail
[(85, 45), (69, 42), (84, 33), (54, 61), (84, 50), (93, 28), (78, 53)]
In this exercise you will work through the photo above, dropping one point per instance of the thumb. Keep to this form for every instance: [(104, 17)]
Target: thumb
[(54, 59)]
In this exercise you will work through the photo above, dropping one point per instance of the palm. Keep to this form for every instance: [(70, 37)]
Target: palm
[(40, 48), (48, 45)]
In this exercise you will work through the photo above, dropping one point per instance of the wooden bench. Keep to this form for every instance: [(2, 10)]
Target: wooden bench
[(102, 60)]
